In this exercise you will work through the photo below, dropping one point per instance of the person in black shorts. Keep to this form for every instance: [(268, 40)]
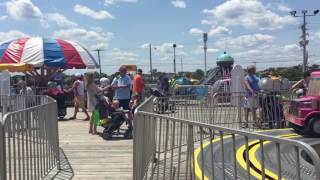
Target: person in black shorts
[(122, 87)]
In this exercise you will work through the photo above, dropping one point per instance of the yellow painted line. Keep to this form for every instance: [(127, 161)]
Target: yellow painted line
[(257, 164), (198, 170), (253, 159)]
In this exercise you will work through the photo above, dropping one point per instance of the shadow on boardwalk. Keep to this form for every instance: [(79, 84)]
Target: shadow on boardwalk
[(90, 156), (66, 171)]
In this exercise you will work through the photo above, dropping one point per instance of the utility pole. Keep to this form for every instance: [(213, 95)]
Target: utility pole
[(304, 42), (205, 39), (174, 59), (98, 50), (150, 61), (181, 64)]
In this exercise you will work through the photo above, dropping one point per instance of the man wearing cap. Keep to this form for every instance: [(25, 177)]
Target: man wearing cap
[(79, 96), (122, 86)]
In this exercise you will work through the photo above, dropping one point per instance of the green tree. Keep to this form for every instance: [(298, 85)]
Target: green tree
[(198, 74)]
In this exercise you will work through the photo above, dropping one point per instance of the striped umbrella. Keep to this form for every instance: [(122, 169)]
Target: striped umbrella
[(38, 51)]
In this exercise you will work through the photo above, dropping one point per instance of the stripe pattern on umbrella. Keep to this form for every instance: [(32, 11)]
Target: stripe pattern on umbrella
[(38, 51)]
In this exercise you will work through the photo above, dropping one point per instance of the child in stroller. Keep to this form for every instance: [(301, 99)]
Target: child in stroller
[(111, 118)]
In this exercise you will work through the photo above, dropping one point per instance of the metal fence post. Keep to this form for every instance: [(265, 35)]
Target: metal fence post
[(3, 172)]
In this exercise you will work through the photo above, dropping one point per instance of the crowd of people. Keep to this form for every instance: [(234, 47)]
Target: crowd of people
[(123, 92), (252, 88)]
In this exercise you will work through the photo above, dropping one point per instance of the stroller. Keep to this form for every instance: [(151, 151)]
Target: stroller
[(161, 103), (111, 119), (272, 110), (59, 95)]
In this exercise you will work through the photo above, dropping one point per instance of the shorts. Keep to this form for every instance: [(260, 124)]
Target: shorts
[(124, 103), (251, 102), (79, 101)]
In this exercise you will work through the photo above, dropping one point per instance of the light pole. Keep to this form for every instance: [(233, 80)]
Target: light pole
[(205, 39), (150, 61), (98, 50), (174, 58), (304, 42)]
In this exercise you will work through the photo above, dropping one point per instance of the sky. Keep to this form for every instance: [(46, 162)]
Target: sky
[(253, 32)]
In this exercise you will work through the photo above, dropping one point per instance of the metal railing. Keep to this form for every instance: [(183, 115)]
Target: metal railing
[(11, 103), (180, 147), (29, 145), (233, 110)]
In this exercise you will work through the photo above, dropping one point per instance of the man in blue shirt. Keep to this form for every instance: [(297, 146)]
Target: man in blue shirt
[(252, 89), (122, 86)]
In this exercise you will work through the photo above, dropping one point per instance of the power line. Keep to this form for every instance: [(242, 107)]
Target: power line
[(304, 42)]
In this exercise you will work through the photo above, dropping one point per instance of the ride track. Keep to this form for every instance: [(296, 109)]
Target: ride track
[(226, 155)]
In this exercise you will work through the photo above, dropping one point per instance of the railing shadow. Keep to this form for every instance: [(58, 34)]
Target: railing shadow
[(66, 171)]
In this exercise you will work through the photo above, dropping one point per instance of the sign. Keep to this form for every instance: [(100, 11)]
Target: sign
[(237, 85), (131, 69), (5, 83)]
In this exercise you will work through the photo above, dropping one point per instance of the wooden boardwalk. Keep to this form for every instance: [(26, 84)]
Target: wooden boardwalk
[(90, 156)]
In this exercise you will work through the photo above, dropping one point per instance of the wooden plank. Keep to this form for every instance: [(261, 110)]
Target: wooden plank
[(92, 157)]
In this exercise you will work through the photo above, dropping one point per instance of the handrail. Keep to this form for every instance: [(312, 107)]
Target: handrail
[(29, 143), (164, 147)]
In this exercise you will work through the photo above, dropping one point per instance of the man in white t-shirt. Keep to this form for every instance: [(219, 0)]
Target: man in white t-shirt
[(79, 96)]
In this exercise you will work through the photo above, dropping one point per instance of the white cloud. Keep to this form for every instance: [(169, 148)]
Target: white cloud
[(268, 55), (245, 41), (84, 10), (164, 51), (283, 8), (204, 21), (89, 38), (195, 31), (220, 30), (248, 14), (23, 9), (120, 56), (144, 46), (2, 18), (199, 50), (111, 2), (12, 34), (179, 3), (59, 19), (291, 48)]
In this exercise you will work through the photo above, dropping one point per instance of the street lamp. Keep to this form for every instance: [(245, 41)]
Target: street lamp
[(98, 50), (174, 58), (205, 39), (304, 42)]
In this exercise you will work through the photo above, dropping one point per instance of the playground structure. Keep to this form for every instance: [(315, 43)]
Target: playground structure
[(222, 71)]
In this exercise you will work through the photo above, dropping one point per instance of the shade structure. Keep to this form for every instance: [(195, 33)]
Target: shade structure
[(36, 51)]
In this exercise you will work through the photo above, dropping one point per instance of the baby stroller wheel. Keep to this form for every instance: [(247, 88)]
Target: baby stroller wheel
[(128, 135), (106, 134)]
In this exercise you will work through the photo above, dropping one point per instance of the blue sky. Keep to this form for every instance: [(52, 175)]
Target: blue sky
[(251, 31)]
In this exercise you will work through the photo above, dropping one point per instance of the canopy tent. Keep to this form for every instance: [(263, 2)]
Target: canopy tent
[(44, 52)]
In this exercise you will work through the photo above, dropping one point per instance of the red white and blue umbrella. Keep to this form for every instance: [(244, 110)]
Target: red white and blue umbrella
[(38, 51)]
